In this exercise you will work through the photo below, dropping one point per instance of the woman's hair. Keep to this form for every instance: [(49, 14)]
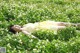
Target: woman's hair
[(11, 29)]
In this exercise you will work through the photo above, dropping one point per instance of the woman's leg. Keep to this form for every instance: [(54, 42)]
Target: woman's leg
[(63, 24), (77, 25), (68, 24)]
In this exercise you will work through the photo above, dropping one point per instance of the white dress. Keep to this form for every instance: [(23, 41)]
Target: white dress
[(51, 25)]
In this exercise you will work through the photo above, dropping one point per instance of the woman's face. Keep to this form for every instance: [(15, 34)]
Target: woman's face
[(17, 28)]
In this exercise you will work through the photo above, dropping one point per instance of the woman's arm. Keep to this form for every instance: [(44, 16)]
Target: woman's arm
[(29, 34)]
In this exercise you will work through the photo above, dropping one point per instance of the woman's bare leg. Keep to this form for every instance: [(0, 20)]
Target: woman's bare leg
[(68, 24)]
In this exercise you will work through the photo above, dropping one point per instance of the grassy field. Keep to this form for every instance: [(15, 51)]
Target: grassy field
[(29, 11)]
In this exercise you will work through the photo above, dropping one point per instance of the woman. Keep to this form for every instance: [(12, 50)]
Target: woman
[(31, 27)]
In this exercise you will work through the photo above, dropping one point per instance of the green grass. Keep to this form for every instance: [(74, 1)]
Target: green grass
[(29, 11)]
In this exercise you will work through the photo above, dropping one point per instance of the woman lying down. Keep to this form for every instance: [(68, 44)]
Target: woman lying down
[(31, 27)]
